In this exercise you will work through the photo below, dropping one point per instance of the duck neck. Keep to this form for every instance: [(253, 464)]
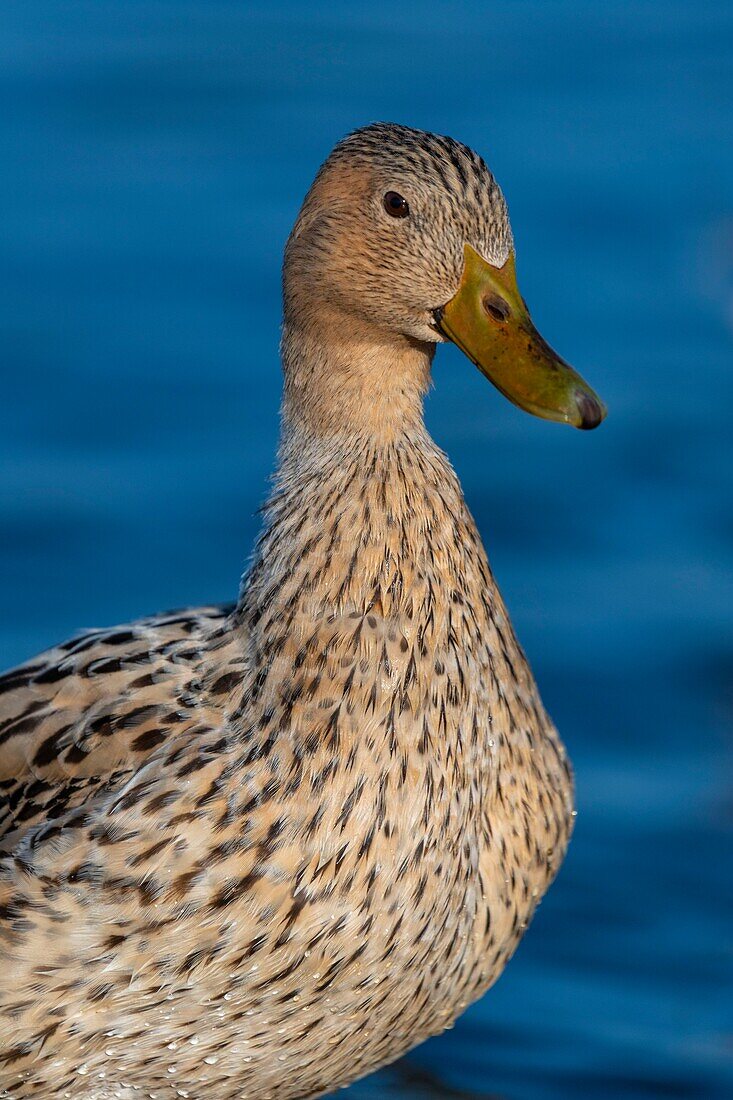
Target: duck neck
[(364, 501), (347, 377)]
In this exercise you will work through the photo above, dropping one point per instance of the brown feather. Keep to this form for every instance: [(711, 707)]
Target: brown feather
[(262, 851)]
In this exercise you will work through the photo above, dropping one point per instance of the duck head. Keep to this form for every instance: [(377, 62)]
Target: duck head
[(405, 235)]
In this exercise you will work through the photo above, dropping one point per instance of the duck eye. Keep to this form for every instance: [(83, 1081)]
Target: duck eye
[(395, 205)]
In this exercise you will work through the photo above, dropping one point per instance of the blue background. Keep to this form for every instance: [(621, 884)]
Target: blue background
[(154, 157)]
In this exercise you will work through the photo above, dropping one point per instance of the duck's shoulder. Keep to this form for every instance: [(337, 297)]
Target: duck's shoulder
[(84, 715)]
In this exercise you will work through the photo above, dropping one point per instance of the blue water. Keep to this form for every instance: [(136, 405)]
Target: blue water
[(154, 155)]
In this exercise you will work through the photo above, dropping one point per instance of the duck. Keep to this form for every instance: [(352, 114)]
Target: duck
[(258, 851)]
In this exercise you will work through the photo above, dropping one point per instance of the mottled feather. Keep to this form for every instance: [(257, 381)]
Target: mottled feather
[(259, 851)]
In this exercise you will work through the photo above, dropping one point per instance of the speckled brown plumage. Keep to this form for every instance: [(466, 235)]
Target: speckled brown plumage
[(259, 851)]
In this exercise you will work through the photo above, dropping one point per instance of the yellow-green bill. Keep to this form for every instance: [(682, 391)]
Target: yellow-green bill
[(489, 321)]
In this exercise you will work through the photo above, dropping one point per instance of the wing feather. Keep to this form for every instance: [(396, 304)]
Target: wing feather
[(83, 716)]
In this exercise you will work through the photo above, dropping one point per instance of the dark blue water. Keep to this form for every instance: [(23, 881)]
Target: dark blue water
[(153, 158)]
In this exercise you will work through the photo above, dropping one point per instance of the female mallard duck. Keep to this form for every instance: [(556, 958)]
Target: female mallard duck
[(259, 851)]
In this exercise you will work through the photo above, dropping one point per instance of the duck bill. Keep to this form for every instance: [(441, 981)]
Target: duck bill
[(488, 320)]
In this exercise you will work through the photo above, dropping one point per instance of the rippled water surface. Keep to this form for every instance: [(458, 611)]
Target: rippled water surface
[(154, 156)]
